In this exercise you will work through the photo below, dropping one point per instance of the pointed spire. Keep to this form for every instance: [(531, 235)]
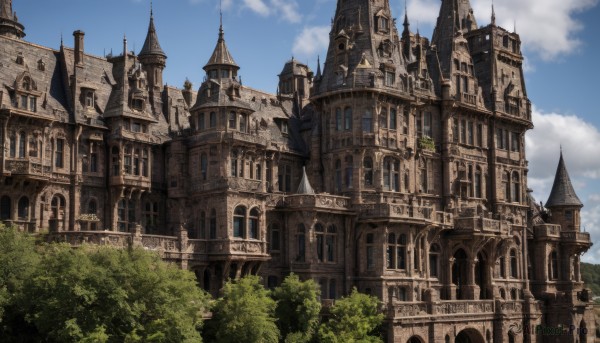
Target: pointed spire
[(318, 67), (304, 187), (562, 193), (9, 23), (221, 54), (493, 14), (151, 45)]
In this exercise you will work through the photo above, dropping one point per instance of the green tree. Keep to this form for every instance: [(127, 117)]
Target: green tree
[(298, 309), (18, 262), (355, 318), (103, 294), (245, 313)]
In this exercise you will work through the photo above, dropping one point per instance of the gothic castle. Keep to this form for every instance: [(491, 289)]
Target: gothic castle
[(398, 169)]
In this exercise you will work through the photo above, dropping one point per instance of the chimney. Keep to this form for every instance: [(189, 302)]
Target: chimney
[(78, 46)]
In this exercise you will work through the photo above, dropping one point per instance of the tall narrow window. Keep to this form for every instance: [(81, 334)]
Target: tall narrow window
[(116, 166), (383, 119), (507, 187), (401, 252), (203, 166), (427, 124), (338, 175), (370, 251), (22, 144), (348, 118), (367, 121), (213, 224), (391, 251), (320, 234), (349, 171), (145, 162), (274, 238), (253, 221), (136, 161), (243, 123), (338, 119), (514, 142), (553, 265), (455, 132), (470, 133), (368, 171), (301, 243), (234, 164), (59, 153), (285, 178), (232, 120), (127, 159), (434, 260), (330, 243), (93, 157), (477, 186), (23, 208), (480, 135), (201, 122), (463, 131), (239, 219), (513, 263), (393, 119), (13, 145), (516, 187), (202, 225)]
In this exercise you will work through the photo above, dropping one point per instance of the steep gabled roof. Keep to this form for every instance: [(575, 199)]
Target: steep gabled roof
[(562, 193)]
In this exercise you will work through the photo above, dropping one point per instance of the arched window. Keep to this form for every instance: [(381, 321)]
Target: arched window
[(203, 166), (213, 119), (383, 119), (516, 187), (213, 224), (368, 171), (338, 119), (348, 118), (23, 208), (5, 208), (320, 233), (349, 171), (507, 196), (58, 206), (253, 223), (338, 175), (239, 218), (301, 243), (367, 121), (234, 164), (434, 260), (553, 265), (22, 144), (513, 263), (370, 249)]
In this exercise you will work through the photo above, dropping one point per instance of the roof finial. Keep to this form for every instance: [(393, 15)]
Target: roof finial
[(220, 19), (515, 26), (151, 12), (493, 14)]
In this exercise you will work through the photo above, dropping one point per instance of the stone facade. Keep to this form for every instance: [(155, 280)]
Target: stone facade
[(399, 169)]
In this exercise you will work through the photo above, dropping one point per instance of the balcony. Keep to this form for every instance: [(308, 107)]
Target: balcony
[(238, 247), (130, 181), (478, 225), (414, 310), (467, 98), (575, 237), (248, 138), (27, 168), (404, 212), (322, 201), (547, 231), (233, 183)]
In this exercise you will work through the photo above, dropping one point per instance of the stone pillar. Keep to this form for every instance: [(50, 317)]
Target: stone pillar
[(183, 244), (450, 286)]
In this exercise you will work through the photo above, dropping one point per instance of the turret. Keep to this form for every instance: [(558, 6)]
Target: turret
[(295, 79), (152, 57), (563, 202), (9, 23), (221, 64)]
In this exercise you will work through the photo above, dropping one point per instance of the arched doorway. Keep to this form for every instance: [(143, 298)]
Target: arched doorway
[(414, 339), (460, 272), (469, 336)]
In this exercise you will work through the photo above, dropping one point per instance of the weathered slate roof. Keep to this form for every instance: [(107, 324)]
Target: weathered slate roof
[(304, 187), (151, 45), (221, 54), (562, 193)]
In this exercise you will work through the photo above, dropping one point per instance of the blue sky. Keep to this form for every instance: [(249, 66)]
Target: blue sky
[(560, 43)]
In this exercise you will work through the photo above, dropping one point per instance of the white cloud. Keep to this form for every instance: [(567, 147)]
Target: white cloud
[(310, 41), (287, 10), (547, 27), (258, 7)]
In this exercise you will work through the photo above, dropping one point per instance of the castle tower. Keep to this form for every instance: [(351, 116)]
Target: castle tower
[(9, 23), (294, 82), (563, 202), (152, 57)]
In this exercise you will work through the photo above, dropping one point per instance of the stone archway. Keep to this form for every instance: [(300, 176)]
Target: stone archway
[(469, 336), (414, 339)]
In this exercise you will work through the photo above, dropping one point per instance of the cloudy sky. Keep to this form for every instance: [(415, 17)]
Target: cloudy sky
[(558, 42)]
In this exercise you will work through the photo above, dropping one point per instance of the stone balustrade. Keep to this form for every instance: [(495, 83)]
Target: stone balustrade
[(546, 231), (442, 308), (325, 201)]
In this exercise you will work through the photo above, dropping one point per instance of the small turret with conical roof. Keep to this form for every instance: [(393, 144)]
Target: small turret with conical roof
[(221, 64), (563, 202), (152, 56), (9, 23)]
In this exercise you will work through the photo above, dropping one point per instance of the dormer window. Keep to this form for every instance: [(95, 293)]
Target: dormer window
[(382, 22), (28, 102), (89, 99), (137, 104), (390, 78), (41, 65), (26, 83)]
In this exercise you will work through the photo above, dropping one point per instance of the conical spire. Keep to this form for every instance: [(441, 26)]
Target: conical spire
[(304, 187), (151, 45), (493, 14), (318, 67), (562, 193), (9, 24), (221, 55)]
